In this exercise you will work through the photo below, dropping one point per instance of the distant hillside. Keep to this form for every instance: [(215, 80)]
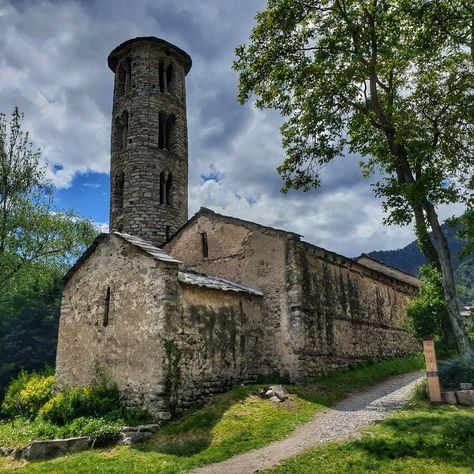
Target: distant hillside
[(410, 258)]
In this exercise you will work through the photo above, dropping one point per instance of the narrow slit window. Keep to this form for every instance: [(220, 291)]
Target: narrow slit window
[(169, 78), (162, 135), (168, 232), (169, 190), (162, 76), (105, 321), (124, 121), (205, 247), (170, 132)]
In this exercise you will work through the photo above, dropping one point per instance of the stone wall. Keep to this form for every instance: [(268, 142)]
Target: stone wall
[(321, 310), (219, 336), (128, 348), (342, 312), (249, 254)]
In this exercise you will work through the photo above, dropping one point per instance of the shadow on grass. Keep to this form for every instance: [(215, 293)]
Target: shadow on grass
[(192, 433), (440, 434)]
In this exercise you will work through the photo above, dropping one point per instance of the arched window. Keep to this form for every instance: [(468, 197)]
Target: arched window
[(170, 131), (166, 131), (123, 78), (169, 78), (162, 131), (162, 76), (121, 132), (166, 188)]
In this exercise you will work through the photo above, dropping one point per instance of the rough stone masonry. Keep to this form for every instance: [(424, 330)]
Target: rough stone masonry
[(175, 310)]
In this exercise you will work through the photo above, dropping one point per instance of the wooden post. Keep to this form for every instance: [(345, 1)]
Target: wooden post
[(432, 370)]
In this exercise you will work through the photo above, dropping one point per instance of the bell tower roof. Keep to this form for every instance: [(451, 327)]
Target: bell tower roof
[(114, 56)]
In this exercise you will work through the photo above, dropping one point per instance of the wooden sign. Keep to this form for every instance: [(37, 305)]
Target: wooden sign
[(432, 371)]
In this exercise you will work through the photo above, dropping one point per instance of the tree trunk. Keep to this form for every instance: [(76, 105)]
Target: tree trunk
[(424, 241), (449, 286)]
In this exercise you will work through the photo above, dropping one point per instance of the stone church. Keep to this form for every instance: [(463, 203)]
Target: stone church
[(173, 309)]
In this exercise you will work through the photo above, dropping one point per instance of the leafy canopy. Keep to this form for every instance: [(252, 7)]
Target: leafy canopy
[(390, 80)]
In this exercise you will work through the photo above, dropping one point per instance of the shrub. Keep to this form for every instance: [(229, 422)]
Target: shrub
[(99, 430), (428, 311), (130, 416), (79, 402), (456, 371), (27, 393)]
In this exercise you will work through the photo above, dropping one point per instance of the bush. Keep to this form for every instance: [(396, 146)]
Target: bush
[(456, 371), (27, 393), (130, 416), (100, 431), (428, 312), (79, 402)]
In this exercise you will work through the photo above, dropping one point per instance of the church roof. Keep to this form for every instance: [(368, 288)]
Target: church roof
[(150, 249), (186, 277), (203, 280)]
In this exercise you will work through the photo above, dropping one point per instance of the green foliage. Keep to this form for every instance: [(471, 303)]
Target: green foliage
[(456, 371), (232, 423), (382, 80), (173, 371), (129, 416), (428, 312), (29, 327), (89, 401), (37, 244), (27, 393), (101, 431)]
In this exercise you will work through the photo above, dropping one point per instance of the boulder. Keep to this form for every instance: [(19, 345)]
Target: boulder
[(449, 397), (466, 386), (129, 438), (52, 448), (269, 394), (280, 392), (275, 399), (465, 397)]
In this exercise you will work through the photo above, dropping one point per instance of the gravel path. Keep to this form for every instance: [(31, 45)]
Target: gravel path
[(344, 419)]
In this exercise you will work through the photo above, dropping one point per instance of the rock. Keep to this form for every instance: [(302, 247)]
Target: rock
[(465, 397), (130, 438), (280, 392), (466, 386), (6, 450), (269, 394), (449, 397), (128, 429), (152, 428), (52, 448), (275, 399)]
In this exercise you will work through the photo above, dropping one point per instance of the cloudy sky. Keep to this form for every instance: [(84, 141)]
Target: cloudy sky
[(53, 66)]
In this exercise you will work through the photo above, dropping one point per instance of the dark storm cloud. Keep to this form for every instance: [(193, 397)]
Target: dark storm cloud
[(53, 66)]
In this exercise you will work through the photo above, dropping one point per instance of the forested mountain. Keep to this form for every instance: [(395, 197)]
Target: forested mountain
[(410, 258)]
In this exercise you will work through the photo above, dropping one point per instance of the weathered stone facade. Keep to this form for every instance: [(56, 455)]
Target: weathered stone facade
[(149, 166), (155, 322)]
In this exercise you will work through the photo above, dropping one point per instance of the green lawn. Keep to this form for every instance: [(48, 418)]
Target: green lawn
[(232, 423), (419, 440)]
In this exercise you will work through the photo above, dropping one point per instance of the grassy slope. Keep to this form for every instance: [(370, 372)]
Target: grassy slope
[(420, 439), (232, 423)]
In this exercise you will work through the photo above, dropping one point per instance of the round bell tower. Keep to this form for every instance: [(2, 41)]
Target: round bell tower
[(149, 164)]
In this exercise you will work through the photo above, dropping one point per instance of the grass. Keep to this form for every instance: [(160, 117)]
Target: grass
[(232, 423), (421, 439)]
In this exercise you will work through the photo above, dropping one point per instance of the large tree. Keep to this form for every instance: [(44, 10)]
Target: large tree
[(32, 232), (37, 244), (390, 80)]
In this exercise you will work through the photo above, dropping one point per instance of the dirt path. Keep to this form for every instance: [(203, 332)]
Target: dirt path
[(344, 419)]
